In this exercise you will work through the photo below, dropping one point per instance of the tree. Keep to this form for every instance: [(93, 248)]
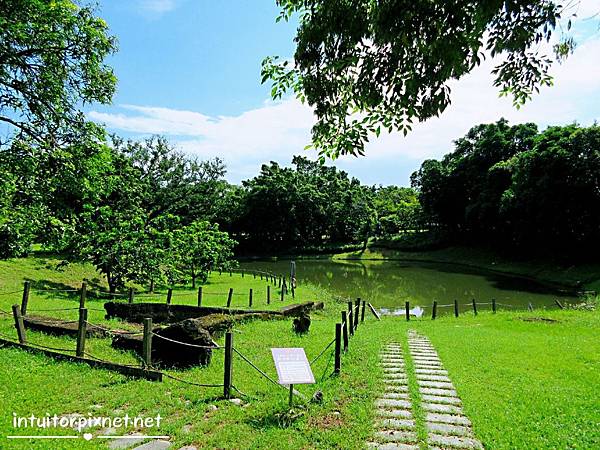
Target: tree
[(51, 62), (200, 247), (397, 209), (371, 65)]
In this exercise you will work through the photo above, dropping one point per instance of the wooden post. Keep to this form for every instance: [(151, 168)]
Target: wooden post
[(362, 314), (349, 306), (474, 307), (455, 308), (284, 287), (81, 332), (351, 322), (130, 295), (434, 310), (250, 298), (227, 373), (530, 307), (279, 281), (169, 296), (356, 314), (282, 294), (83, 295), (19, 324), (345, 329), (220, 271), (407, 312), (374, 311), (200, 296), (559, 304), (147, 342), (254, 275), (337, 362), (230, 273), (494, 305), (268, 294), (25, 299), (242, 273), (293, 290), (229, 297)]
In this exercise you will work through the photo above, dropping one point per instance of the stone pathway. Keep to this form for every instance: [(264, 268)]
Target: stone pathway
[(446, 424), (395, 422)]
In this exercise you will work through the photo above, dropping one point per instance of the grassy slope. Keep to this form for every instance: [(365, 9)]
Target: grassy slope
[(587, 274), (524, 384)]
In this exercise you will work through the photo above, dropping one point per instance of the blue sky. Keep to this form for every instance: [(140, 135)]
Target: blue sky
[(190, 70)]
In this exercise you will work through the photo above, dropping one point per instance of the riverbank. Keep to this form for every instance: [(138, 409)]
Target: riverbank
[(581, 277)]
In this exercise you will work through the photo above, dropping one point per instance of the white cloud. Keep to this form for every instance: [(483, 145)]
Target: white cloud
[(157, 6), (276, 131)]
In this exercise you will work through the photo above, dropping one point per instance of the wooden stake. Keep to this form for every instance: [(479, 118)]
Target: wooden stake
[(407, 306), (200, 296), (345, 329), (337, 362), (227, 372), (169, 296), (229, 296), (25, 299), (19, 324), (434, 310), (474, 307), (455, 308), (82, 295), (147, 342), (81, 332)]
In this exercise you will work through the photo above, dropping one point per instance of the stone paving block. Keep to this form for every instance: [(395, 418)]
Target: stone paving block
[(406, 437), (154, 445), (125, 442), (441, 399), (440, 408), (397, 388), (435, 384), (426, 359), (394, 413), (443, 392), (431, 371), (383, 403), (391, 364), (454, 441), (429, 377), (446, 428), (393, 369), (448, 418), (392, 446), (397, 395), (395, 376), (397, 424)]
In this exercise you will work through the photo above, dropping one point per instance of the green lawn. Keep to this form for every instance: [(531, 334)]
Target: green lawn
[(524, 384)]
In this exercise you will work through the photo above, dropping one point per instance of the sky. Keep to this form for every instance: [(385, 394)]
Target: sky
[(190, 70)]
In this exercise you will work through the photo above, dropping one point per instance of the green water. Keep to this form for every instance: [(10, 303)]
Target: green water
[(389, 284)]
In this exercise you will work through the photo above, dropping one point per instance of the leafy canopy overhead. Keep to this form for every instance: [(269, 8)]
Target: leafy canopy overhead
[(51, 63), (365, 65)]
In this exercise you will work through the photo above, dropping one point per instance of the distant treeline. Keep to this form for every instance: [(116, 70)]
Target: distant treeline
[(518, 189), (144, 212)]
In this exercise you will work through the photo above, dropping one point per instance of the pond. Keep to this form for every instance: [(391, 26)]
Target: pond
[(387, 285)]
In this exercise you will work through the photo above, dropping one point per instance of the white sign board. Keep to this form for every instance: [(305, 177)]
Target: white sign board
[(292, 366)]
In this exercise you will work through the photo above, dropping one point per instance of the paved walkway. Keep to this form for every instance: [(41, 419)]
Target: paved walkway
[(445, 423)]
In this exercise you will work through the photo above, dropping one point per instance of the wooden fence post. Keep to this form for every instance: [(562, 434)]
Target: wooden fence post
[(229, 297), (242, 273), (83, 295), (147, 343), (19, 324), (200, 296), (474, 307), (559, 304), (81, 332), (455, 308), (362, 314), (282, 294), (25, 299), (407, 312), (434, 310), (169, 296), (130, 295), (345, 329), (530, 306), (227, 373), (349, 306), (230, 273), (356, 313), (250, 298), (494, 305), (338, 349), (351, 322), (268, 294), (374, 311)]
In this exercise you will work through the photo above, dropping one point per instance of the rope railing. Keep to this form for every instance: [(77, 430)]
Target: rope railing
[(322, 352), (192, 382), (215, 347), (255, 367), (113, 332), (10, 293)]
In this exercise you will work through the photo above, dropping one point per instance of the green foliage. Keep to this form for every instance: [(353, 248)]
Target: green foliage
[(52, 60), (518, 188), (398, 210), (366, 66), (200, 246), (310, 204)]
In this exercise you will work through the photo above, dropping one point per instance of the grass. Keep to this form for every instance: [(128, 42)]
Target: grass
[(524, 384)]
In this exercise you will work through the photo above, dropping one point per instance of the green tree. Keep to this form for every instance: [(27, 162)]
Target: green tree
[(51, 62), (200, 247), (370, 65)]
